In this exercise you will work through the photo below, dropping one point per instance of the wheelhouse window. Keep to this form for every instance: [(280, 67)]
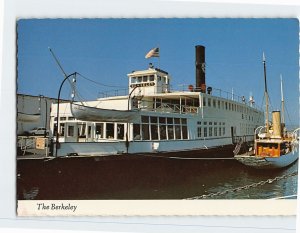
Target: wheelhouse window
[(133, 80)]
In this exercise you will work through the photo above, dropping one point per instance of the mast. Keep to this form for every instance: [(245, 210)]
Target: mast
[(266, 94), (282, 101)]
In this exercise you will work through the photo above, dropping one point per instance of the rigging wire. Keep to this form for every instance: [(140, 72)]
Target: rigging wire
[(288, 115), (79, 95), (98, 83)]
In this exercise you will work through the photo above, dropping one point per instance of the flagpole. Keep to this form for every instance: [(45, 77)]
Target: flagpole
[(159, 62)]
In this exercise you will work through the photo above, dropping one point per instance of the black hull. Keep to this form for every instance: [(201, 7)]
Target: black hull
[(110, 177)]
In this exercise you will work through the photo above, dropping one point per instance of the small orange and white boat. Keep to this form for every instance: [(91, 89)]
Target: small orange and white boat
[(274, 146)]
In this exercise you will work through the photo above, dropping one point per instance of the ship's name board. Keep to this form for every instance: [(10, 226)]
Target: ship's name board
[(142, 84)]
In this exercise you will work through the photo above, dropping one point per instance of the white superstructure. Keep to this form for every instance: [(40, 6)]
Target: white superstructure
[(152, 118)]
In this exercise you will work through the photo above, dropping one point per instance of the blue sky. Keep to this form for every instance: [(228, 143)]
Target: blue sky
[(106, 50)]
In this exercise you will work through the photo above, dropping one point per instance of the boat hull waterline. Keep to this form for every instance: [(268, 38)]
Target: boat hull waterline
[(268, 162)]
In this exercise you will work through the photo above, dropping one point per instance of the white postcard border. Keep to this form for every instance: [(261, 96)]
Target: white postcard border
[(157, 208)]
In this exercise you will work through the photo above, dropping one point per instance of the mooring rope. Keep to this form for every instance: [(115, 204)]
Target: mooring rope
[(185, 158)]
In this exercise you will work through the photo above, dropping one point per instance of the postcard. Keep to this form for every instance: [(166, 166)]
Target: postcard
[(157, 116)]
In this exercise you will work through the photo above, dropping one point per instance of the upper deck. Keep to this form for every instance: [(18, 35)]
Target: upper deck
[(183, 100)]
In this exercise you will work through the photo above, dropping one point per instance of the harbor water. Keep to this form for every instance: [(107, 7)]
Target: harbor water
[(140, 178)]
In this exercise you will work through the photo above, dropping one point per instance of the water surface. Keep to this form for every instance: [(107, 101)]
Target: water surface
[(147, 178)]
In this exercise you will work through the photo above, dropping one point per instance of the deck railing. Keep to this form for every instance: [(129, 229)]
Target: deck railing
[(112, 93), (168, 108), (217, 92)]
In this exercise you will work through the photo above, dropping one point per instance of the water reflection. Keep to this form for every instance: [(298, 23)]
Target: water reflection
[(146, 178)]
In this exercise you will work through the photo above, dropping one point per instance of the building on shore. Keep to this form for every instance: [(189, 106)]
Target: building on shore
[(33, 112)]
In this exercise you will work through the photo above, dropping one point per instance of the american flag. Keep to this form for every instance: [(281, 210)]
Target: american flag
[(153, 53)]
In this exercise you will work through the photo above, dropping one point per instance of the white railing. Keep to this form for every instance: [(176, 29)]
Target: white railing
[(170, 108), (183, 87)]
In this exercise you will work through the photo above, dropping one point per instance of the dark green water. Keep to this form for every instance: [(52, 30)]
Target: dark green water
[(146, 178)]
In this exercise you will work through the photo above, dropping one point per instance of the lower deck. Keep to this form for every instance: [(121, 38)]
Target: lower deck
[(177, 147)]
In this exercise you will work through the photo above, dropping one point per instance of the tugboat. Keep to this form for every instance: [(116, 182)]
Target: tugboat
[(274, 146)]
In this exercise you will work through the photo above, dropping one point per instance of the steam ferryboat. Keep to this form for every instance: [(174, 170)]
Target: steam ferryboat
[(152, 119)]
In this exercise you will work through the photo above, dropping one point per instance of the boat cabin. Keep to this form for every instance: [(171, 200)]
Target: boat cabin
[(149, 82)]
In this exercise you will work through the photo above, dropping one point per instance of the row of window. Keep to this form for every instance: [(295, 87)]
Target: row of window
[(151, 128), (210, 123), (70, 118), (163, 120), (247, 129), (209, 102), (210, 129), (96, 130), (147, 78), (160, 128)]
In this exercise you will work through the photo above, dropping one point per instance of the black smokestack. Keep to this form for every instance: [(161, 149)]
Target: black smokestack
[(200, 68)]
